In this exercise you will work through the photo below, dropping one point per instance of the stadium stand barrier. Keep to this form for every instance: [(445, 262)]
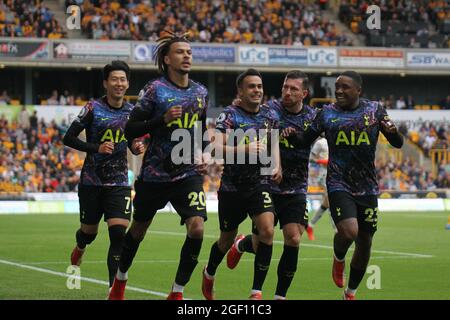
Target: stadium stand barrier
[(83, 53)]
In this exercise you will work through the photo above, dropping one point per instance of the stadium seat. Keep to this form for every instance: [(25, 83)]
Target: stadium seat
[(375, 40)]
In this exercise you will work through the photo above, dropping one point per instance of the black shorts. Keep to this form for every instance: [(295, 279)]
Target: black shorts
[(186, 196), (96, 201), (290, 208), (343, 205), (234, 206)]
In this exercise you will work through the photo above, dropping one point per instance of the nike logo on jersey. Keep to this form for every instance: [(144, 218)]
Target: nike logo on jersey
[(334, 120), (104, 119), (171, 99), (241, 125)]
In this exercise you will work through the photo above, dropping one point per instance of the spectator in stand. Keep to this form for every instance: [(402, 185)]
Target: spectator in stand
[(24, 118), (53, 99), (66, 99), (400, 103), (34, 120), (382, 101), (410, 102), (445, 104), (4, 98)]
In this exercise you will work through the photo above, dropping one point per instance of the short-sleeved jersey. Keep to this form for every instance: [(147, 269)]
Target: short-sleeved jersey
[(246, 176), (294, 160), (104, 123), (155, 99), (352, 138)]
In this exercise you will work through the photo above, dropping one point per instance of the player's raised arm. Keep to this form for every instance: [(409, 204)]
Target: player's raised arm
[(78, 125), (389, 130)]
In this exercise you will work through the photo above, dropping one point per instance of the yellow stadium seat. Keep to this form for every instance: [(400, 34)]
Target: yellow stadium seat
[(15, 102), (426, 107), (418, 107), (435, 107)]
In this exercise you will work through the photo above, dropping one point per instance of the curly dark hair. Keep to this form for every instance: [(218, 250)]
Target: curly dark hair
[(163, 47)]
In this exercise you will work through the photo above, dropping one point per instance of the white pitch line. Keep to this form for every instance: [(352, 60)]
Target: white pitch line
[(416, 255), (65, 275), (201, 260), (97, 262)]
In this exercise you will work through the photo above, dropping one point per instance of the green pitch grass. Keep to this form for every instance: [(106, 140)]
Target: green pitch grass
[(412, 251)]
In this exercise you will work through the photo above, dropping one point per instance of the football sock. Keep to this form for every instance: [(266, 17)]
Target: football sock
[(286, 269), (130, 247), (188, 260), (177, 288), (116, 236), (261, 265), (84, 239), (215, 258), (355, 278)]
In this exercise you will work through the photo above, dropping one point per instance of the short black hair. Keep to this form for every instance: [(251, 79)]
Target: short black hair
[(249, 72), (115, 66), (297, 74), (355, 76)]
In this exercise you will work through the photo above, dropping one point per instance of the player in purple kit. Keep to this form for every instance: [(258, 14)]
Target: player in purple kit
[(103, 187), (289, 196), (243, 190), (171, 102), (351, 127)]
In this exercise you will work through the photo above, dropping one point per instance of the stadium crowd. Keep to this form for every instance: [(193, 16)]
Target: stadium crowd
[(66, 98), (28, 19), (289, 22), (32, 156), (410, 176), (427, 135), (413, 24)]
